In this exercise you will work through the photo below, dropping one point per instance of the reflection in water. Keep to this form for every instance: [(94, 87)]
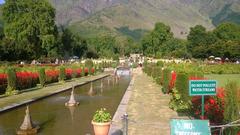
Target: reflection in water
[(108, 79), (55, 119), (72, 109), (91, 92)]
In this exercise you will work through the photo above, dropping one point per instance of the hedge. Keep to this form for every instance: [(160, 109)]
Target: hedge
[(166, 80), (42, 77)]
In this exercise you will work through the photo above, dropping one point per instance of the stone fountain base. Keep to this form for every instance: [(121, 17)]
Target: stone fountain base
[(72, 104), (32, 131)]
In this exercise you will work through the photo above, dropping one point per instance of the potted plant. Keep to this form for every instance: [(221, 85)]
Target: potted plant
[(101, 122)]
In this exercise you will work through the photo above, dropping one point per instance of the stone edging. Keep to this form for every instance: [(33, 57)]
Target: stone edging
[(15, 105), (116, 125)]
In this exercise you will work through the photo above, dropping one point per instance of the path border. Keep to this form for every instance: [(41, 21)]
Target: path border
[(116, 125)]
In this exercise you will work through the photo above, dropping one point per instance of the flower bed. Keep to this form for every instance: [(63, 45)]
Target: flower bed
[(78, 72), (52, 76), (3, 83), (85, 71), (26, 80), (69, 73), (28, 76)]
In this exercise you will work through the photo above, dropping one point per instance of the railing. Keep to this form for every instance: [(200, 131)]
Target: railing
[(125, 122)]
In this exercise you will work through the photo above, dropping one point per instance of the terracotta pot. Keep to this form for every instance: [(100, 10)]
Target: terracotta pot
[(101, 128)]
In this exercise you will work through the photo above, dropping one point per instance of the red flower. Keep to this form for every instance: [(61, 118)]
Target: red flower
[(220, 93), (173, 79), (211, 101), (92, 70), (86, 70), (3, 79)]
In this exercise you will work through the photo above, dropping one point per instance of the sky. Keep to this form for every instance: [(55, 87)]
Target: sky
[(1, 1)]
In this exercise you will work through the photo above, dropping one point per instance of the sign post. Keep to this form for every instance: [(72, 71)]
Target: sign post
[(190, 127), (202, 88)]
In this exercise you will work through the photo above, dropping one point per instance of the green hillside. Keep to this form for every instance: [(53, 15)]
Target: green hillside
[(133, 18), (143, 15)]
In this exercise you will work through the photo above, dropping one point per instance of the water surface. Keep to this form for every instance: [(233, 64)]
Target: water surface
[(56, 119)]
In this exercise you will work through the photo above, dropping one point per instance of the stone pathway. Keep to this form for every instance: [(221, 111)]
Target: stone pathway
[(148, 109), (26, 97)]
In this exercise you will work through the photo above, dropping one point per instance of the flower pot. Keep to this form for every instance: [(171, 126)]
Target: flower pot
[(101, 128)]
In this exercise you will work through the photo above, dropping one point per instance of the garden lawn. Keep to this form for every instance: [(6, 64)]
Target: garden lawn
[(223, 79)]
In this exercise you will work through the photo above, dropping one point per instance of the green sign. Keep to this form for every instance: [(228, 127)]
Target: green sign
[(190, 127), (202, 87)]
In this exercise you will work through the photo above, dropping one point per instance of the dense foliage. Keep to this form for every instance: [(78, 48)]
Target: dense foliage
[(223, 41), (30, 33), (102, 116)]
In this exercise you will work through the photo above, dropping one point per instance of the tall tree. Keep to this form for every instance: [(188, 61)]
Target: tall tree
[(228, 31), (199, 41), (31, 22), (152, 42)]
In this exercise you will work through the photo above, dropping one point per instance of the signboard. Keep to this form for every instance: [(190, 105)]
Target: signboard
[(202, 87), (190, 127)]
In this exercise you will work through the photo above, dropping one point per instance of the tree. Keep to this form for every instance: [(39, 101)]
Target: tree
[(31, 22), (175, 48), (80, 46), (228, 31), (199, 42), (152, 42)]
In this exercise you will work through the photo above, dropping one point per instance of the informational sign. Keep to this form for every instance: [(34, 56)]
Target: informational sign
[(190, 127), (202, 87)]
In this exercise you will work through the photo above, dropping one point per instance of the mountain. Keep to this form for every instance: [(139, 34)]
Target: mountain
[(135, 17)]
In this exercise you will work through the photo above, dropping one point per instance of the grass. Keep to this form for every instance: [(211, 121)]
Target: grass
[(223, 79)]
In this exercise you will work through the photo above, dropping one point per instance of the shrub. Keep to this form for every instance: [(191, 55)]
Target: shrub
[(26, 80), (52, 76), (42, 76), (86, 71), (92, 71), (182, 86), (113, 64), (62, 75), (69, 74), (12, 82), (3, 83), (213, 106), (78, 72), (89, 63), (100, 68), (160, 64), (166, 80), (232, 106), (177, 104)]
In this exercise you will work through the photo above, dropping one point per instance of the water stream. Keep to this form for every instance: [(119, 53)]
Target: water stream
[(56, 119)]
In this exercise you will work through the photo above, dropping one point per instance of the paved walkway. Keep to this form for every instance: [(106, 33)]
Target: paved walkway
[(26, 97), (148, 109)]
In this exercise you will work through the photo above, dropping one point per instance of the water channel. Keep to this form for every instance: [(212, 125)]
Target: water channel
[(56, 119)]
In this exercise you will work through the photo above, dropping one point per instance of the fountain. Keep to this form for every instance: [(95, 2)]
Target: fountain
[(27, 127), (72, 101)]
